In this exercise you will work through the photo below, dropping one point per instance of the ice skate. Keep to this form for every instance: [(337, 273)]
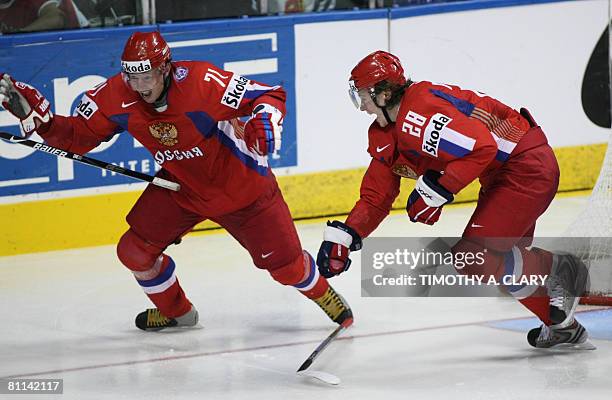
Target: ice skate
[(153, 320), (336, 308), (565, 284), (573, 336)]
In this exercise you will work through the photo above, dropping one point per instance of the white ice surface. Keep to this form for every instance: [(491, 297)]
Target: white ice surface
[(70, 315)]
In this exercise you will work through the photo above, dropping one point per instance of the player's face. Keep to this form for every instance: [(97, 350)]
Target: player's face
[(364, 99), (149, 84), (367, 104)]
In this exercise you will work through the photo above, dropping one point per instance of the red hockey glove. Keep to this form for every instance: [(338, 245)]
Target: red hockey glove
[(262, 132), (338, 241), (27, 104), (426, 200)]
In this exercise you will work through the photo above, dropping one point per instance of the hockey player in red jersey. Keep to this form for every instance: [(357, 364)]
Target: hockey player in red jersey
[(446, 137), (184, 113)]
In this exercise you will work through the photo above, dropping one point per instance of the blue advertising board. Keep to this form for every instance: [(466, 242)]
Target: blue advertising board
[(64, 65)]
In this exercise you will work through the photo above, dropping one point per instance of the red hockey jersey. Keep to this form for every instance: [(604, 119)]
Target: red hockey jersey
[(463, 133), (195, 139)]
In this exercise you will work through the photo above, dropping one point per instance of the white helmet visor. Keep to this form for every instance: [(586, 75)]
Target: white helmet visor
[(354, 95)]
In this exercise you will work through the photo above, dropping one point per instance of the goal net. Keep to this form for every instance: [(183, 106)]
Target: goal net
[(590, 236)]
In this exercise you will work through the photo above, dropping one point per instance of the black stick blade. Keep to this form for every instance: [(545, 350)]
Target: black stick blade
[(305, 365), (323, 345)]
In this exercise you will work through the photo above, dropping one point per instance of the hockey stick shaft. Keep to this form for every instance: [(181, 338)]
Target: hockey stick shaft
[(91, 161), (323, 345)]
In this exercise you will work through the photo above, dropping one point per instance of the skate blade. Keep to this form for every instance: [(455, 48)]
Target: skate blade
[(179, 328), (586, 345)]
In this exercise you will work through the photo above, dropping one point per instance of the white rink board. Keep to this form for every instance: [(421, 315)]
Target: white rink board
[(331, 133), (533, 56), (530, 56)]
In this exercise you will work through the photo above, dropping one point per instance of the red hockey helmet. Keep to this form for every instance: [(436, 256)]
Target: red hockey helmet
[(375, 68), (143, 52)]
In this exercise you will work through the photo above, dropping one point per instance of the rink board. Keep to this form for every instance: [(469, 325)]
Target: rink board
[(56, 204)]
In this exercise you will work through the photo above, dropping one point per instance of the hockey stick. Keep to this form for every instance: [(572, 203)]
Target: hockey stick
[(91, 161), (324, 344)]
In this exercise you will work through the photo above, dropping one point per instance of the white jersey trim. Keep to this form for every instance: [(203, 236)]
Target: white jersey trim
[(504, 145), (228, 130), (461, 140)]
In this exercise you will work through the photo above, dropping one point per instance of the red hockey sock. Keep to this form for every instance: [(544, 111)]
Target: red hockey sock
[(537, 303), (522, 263), (312, 285), (318, 289), (302, 274), (165, 291)]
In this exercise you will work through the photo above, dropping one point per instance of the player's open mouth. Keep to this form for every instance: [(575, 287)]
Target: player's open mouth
[(146, 94)]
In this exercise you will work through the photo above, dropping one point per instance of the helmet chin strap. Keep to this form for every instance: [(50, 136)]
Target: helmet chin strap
[(386, 114), (384, 110), (161, 104)]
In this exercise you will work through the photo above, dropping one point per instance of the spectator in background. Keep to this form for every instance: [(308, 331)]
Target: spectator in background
[(109, 12), (293, 6), (39, 15), (182, 10)]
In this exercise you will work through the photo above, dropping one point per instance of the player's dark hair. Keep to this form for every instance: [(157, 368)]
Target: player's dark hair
[(397, 91)]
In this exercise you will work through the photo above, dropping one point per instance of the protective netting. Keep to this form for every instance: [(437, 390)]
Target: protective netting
[(596, 219), (594, 224), (590, 235)]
